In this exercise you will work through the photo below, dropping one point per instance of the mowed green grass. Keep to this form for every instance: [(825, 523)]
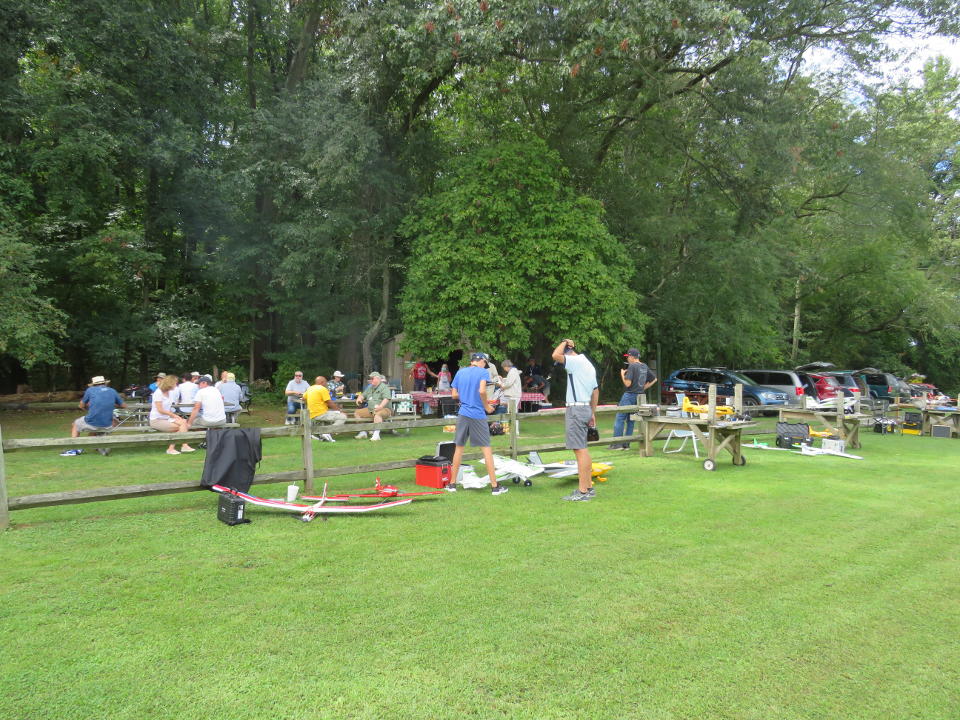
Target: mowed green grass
[(791, 588)]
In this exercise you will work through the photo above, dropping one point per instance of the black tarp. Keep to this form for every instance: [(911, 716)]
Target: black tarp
[(232, 457)]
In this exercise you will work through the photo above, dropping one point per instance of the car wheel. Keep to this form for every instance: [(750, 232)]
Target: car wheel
[(750, 405)]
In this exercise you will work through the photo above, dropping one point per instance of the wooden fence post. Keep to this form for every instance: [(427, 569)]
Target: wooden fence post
[(712, 403), (307, 450), (4, 509), (514, 429), (738, 398)]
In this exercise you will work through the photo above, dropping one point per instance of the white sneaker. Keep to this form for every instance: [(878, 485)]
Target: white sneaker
[(327, 437), (362, 435)]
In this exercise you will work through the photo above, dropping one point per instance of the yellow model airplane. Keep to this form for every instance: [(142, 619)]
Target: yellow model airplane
[(599, 471), (692, 407)]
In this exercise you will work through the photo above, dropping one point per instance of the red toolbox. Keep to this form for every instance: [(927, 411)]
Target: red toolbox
[(433, 471)]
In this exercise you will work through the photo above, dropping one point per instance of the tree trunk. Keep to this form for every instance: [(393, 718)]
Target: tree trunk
[(298, 66), (795, 347), (377, 327)]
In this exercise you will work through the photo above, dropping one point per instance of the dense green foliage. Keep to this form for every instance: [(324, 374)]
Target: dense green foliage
[(530, 259), (185, 184)]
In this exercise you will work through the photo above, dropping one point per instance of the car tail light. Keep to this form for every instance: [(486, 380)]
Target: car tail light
[(799, 390), (889, 390)]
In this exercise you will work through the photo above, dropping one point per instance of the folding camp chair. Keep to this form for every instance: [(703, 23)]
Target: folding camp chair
[(683, 435)]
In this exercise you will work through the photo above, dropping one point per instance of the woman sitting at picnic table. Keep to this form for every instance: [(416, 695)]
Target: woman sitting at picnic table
[(163, 412)]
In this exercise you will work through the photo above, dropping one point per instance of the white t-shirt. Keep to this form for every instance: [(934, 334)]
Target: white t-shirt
[(188, 391), (167, 402), (211, 404)]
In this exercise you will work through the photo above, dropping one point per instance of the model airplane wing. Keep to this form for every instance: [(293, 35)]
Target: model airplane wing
[(516, 468), (318, 508)]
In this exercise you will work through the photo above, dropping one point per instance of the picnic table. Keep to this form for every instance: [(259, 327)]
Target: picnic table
[(940, 416), (847, 425), (715, 436)]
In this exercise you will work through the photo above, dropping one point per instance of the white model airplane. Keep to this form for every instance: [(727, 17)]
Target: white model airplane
[(807, 450)]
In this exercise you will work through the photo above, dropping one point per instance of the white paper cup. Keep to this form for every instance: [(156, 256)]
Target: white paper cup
[(292, 491)]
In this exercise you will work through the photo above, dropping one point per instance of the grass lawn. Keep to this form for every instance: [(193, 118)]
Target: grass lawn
[(794, 587)]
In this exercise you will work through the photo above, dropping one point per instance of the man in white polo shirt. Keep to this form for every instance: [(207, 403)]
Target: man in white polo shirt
[(582, 395), (208, 410)]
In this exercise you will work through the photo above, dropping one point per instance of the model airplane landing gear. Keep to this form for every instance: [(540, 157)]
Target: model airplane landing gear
[(709, 465)]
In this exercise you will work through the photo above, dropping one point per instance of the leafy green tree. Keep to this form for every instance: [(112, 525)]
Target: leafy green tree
[(505, 255)]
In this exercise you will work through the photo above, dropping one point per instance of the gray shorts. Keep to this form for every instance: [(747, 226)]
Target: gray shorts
[(474, 429), (82, 425), (578, 418)]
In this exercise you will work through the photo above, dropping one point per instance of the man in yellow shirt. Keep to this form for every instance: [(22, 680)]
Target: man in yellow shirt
[(323, 410)]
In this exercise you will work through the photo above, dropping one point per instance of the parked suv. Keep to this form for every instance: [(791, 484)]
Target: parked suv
[(885, 386), (696, 380)]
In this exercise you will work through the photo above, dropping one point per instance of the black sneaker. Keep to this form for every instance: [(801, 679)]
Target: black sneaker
[(577, 496), (500, 490), (592, 493)]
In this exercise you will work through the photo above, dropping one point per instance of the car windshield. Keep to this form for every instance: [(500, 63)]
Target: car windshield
[(741, 378)]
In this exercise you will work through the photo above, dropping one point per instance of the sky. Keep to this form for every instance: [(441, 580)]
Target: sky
[(916, 51)]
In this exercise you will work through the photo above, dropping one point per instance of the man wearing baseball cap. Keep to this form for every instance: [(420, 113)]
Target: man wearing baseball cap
[(378, 404), (636, 377), (470, 388)]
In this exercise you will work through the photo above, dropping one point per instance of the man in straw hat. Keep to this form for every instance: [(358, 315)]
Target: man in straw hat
[(99, 400)]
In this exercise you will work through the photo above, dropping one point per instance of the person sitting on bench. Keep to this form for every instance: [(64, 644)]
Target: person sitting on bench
[(163, 412), (208, 408), (98, 400)]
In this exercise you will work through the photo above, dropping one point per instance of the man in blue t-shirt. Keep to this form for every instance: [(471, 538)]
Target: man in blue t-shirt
[(99, 400), (470, 387)]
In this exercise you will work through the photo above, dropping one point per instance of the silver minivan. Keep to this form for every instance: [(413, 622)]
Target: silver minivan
[(786, 381)]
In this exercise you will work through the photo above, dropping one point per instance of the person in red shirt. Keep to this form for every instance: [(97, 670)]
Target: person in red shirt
[(419, 374)]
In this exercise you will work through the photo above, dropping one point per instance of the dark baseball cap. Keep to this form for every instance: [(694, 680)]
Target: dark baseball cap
[(205, 378), (632, 352), (479, 356)]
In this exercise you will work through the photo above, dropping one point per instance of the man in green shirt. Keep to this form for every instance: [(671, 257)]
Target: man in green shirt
[(378, 404)]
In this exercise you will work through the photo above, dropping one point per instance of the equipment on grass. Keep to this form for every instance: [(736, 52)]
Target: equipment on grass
[(793, 434), (308, 512), (912, 424), (519, 471), (230, 510), (432, 471), (884, 425), (807, 450)]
